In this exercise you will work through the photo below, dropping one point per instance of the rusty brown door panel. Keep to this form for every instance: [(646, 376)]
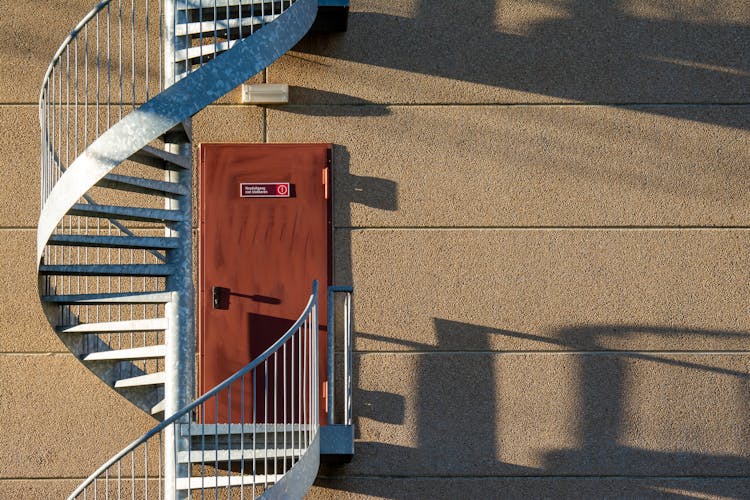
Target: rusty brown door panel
[(261, 244)]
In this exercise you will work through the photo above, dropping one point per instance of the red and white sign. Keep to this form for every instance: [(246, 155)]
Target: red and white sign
[(264, 190)]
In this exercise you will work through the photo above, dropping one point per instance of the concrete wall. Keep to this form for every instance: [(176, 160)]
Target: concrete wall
[(543, 207)]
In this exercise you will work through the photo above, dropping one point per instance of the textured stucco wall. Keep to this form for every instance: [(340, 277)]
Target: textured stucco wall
[(543, 207)]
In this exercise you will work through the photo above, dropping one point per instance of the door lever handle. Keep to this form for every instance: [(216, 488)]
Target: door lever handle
[(221, 297)]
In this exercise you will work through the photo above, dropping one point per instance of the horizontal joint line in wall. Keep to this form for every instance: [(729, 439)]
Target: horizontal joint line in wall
[(542, 228), (601, 352), (511, 476), (454, 103), (69, 478), (496, 104), (37, 353)]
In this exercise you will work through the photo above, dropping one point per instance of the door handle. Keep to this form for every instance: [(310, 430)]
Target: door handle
[(221, 297)]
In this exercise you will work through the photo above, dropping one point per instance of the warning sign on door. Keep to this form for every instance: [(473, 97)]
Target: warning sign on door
[(264, 190)]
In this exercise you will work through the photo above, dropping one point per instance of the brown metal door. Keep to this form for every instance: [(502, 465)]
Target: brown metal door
[(265, 234)]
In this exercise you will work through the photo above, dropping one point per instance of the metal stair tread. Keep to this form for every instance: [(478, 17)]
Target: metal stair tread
[(195, 28), (211, 430), (106, 241), (180, 133), (158, 407), (141, 185), (197, 483), (149, 352), (158, 158), (228, 3), (136, 325), (194, 54), (107, 269), (141, 380), (225, 455), (110, 298), (126, 213)]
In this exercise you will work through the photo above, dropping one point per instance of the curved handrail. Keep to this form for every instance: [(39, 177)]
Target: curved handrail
[(311, 305)]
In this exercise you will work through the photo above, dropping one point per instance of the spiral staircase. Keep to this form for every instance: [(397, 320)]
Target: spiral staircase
[(114, 244)]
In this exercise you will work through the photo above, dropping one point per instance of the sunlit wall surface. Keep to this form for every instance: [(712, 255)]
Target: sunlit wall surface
[(544, 208)]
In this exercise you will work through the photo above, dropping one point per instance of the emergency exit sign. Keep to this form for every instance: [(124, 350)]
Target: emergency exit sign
[(264, 190)]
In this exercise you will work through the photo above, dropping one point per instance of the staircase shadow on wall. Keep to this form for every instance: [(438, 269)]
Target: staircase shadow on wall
[(457, 424), (576, 50), (364, 108)]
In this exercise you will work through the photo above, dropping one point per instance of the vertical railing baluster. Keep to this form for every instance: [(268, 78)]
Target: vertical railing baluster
[(148, 35), (301, 392), (145, 469), (161, 45), (216, 32), (254, 399), (200, 36), (109, 64), (216, 446), (132, 475), (189, 451), (348, 354), (172, 444), (75, 92), (275, 416), (240, 24), (132, 50), (98, 69), (314, 376), (242, 437), (203, 447), (226, 23), (306, 388), (67, 107), (119, 480), (265, 423), (286, 422), (229, 437), (67, 161), (159, 452), (293, 394), (119, 39)]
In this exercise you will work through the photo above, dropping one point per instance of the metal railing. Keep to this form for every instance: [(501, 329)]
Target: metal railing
[(250, 432), (346, 353), (122, 54), (110, 61)]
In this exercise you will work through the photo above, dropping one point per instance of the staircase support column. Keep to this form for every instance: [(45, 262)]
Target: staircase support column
[(179, 387), (179, 362)]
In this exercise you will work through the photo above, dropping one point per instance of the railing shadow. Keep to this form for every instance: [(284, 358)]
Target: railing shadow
[(574, 50), (459, 427)]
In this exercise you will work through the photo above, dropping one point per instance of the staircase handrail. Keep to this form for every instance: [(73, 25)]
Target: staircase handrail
[(310, 307)]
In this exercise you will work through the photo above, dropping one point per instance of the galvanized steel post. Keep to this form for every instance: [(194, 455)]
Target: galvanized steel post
[(179, 363)]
